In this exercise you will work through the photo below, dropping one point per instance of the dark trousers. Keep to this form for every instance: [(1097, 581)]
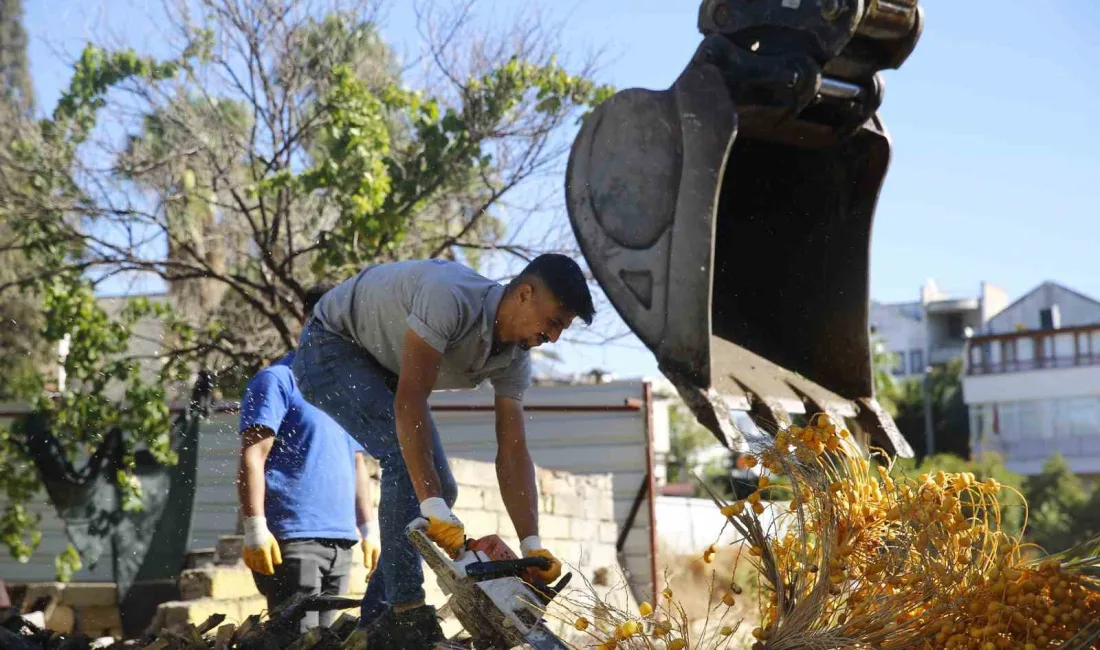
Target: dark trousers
[(310, 566), (347, 383)]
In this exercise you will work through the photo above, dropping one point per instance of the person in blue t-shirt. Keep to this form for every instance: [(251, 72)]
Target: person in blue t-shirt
[(303, 489)]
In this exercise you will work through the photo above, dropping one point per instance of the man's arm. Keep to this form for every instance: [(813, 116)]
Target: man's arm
[(368, 528), (256, 443), (363, 514), (262, 410), (263, 407), (419, 371), (261, 551), (515, 469), (516, 475)]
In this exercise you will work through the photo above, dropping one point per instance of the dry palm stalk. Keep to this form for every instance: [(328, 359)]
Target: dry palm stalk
[(871, 561)]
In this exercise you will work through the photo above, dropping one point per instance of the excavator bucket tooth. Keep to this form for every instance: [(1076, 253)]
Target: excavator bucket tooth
[(739, 259)]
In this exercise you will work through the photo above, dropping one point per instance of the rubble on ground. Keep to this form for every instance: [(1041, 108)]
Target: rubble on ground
[(275, 632)]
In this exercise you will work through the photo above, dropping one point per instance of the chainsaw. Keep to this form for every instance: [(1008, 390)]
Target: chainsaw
[(488, 595)]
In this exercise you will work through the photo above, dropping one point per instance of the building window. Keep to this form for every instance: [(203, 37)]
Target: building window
[(1084, 350), (1021, 420), (1077, 417), (1050, 319), (955, 327), (981, 425), (1025, 351), (916, 361), (899, 363)]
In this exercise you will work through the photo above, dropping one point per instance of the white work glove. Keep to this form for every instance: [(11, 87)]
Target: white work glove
[(443, 528), (532, 547), (371, 544), (261, 551)]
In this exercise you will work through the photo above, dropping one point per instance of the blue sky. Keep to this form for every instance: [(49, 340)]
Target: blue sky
[(995, 169)]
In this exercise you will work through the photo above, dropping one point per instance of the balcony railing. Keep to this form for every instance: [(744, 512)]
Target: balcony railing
[(1033, 364), (1069, 347)]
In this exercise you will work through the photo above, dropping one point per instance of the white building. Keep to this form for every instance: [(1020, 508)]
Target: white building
[(900, 329), (932, 330), (1032, 381)]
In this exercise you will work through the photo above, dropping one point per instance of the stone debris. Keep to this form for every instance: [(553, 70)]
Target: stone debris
[(278, 631)]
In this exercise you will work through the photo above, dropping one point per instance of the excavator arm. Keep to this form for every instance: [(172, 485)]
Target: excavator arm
[(728, 218)]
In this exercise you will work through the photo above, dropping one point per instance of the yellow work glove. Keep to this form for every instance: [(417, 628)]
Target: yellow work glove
[(261, 550), (371, 545), (532, 547), (444, 528)]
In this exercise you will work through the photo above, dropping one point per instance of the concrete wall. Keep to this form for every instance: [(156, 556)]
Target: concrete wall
[(1074, 309)]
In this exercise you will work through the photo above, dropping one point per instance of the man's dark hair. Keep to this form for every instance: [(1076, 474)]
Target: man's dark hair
[(564, 278), (313, 296)]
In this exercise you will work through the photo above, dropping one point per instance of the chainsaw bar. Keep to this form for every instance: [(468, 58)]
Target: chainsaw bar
[(498, 613)]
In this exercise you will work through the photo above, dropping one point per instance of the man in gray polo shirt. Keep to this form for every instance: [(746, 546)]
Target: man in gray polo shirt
[(377, 346)]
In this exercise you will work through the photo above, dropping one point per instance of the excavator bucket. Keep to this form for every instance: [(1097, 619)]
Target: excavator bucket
[(728, 218)]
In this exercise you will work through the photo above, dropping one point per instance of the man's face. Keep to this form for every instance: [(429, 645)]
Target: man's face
[(540, 318)]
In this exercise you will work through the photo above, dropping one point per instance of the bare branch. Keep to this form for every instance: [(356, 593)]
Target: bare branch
[(182, 200)]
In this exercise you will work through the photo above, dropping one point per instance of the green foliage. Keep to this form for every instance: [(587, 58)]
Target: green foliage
[(81, 414), (16, 90), (686, 439), (887, 389), (950, 415), (20, 484), (343, 40), (355, 168), (21, 353), (1061, 514), (377, 190), (716, 476), (67, 563), (44, 235), (905, 402), (96, 72)]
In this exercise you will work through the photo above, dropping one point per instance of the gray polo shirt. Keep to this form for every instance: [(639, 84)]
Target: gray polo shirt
[(449, 305)]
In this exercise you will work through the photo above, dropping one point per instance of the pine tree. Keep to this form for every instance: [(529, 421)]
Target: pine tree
[(15, 79), (22, 351)]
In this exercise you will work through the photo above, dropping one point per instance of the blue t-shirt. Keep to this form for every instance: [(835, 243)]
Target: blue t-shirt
[(310, 472)]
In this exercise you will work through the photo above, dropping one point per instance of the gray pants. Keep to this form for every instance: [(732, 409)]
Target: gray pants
[(310, 566)]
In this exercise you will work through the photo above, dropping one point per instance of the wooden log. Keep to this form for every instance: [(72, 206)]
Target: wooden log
[(224, 636)]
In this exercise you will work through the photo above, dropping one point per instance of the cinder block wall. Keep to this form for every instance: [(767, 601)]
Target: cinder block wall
[(576, 523), (576, 520)]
